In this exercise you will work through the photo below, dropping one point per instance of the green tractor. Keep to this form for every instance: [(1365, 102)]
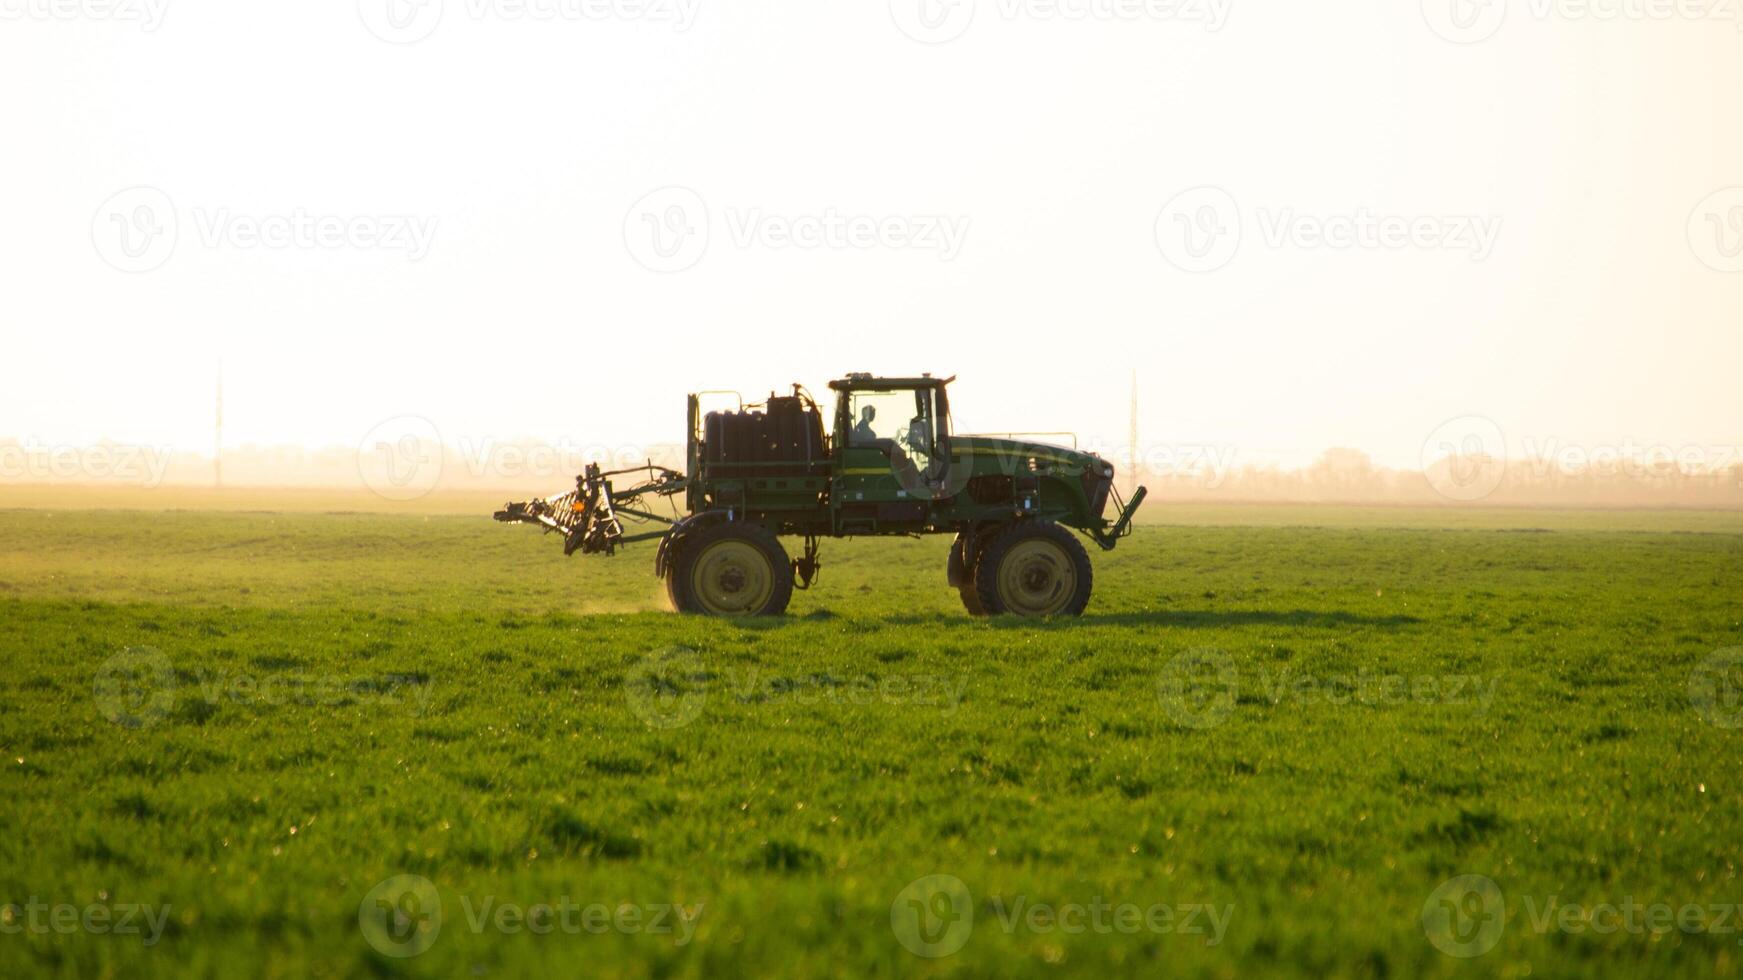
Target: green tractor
[(888, 464)]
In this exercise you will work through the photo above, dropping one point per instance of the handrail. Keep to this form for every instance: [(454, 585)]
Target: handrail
[(1013, 435), (723, 391)]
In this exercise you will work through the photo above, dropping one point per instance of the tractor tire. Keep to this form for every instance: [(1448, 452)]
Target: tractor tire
[(670, 579), (732, 569), (1034, 569), (960, 574)]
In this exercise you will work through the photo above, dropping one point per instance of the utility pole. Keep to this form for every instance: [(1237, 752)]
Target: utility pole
[(1132, 475), (218, 433)]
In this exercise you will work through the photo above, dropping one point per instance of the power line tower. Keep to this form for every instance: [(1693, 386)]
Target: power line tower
[(218, 432), (1132, 474)]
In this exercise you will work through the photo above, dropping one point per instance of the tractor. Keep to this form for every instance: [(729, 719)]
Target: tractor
[(887, 464)]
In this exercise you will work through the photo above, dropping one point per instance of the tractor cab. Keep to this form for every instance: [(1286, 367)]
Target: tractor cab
[(891, 428)]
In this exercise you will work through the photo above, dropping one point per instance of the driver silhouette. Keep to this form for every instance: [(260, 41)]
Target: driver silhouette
[(862, 433)]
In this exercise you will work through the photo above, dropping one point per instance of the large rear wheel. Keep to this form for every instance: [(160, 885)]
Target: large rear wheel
[(960, 574), (1035, 568), (734, 569)]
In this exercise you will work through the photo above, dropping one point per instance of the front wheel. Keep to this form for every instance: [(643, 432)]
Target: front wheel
[(733, 569), (1035, 568)]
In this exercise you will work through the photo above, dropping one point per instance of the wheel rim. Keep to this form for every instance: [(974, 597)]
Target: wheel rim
[(1036, 578), (732, 578)]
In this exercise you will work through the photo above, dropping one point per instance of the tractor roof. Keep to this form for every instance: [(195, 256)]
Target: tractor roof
[(863, 381)]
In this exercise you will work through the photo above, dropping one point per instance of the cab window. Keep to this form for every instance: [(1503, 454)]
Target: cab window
[(905, 421)]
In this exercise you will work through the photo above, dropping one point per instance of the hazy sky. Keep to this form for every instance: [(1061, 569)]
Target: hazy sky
[(553, 219)]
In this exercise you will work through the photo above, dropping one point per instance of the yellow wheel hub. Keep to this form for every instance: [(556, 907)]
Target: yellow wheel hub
[(732, 578), (1036, 578)]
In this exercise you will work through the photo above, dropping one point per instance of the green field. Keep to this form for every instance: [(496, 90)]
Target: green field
[(1272, 739)]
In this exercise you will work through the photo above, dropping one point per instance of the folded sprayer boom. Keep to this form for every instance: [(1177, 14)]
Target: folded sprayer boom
[(588, 516)]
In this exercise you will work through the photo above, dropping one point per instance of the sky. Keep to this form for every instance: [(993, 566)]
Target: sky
[(1299, 225)]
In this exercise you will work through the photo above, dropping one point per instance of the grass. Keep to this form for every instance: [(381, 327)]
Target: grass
[(1299, 722)]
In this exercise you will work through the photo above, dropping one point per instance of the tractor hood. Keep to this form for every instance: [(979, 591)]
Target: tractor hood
[(1089, 477), (1045, 455)]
